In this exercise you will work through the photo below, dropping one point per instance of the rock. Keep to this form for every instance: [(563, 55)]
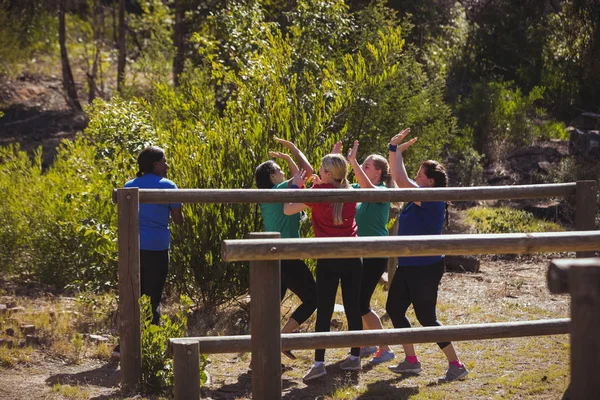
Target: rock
[(27, 329), (582, 142), (10, 331), (462, 263), (545, 211), (545, 166), (32, 340), (3, 308), (98, 339), (15, 309)]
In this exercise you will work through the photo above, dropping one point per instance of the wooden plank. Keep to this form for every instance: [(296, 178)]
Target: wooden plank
[(584, 287), (558, 272), (446, 333), (426, 245), (129, 288), (364, 195), (585, 210), (186, 360), (265, 299)]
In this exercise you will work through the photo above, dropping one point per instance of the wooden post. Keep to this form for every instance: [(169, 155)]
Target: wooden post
[(265, 299), (583, 284), (585, 210), (186, 360), (129, 288)]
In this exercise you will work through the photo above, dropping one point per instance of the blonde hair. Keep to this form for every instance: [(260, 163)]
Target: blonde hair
[(337, 166)]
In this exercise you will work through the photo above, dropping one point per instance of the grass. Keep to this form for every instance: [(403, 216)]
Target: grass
[(70, 392), (507, 220)]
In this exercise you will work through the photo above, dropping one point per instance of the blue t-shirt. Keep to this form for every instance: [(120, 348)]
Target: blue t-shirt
[(428, 219), (154, 218)]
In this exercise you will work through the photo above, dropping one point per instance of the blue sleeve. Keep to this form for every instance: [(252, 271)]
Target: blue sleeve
[(168, 184)]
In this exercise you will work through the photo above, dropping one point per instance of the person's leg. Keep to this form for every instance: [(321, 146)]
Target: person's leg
[(154, 267), (327, 284), (397, 304), (302, 283), (373, 268), (350, 271), (427, 278)]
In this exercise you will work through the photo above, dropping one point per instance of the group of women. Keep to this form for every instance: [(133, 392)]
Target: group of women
[(416, 279)]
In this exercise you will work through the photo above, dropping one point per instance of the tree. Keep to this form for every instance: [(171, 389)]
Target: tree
[(122, 47), (67, 74)]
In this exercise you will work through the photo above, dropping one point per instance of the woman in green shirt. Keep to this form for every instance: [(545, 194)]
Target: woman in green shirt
[(372, 219), (295, 275)]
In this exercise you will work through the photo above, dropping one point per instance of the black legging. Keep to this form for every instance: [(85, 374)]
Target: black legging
[(373, 268), (416, 285), (329, 274), (154, 266), (296, 276)]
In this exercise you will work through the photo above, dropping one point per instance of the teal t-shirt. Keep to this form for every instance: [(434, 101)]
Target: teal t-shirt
[(372, 218), (276, 221)]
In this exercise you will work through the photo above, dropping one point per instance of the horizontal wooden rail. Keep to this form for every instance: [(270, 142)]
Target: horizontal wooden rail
[(509, 243), (157, 196), (330, 340)]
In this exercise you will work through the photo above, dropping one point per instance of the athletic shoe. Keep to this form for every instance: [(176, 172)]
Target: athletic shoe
[(382, 356), (367, 351), (455, 373), (406, 368), (350, 364), (315, 372)]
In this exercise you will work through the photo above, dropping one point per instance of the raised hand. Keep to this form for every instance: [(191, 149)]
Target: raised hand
[(299, 178), (278, 154), (286, 143), (337, 148), (395, 141), (406, 145), (352, 152), (315, 179)]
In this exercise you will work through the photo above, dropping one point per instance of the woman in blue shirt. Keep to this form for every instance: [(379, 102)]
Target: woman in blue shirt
[(155, 236), (417, 279)]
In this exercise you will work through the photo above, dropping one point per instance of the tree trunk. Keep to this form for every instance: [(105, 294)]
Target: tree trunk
[(178, 33), (67, 74), (122, 47)]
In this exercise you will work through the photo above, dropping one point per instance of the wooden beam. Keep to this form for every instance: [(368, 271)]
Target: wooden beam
[(186, 369), (265, 299), (585, 210), (558, 272), (129, 287), (158, 196), (447, 333), (584, 288), (513, 243)]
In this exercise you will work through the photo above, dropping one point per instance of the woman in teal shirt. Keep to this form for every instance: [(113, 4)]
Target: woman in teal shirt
[(372, 219), (295, 275)]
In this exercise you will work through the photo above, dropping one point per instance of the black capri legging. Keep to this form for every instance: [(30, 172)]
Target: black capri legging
[(329, 274), (373, 268), (416, 285), (296, 276)]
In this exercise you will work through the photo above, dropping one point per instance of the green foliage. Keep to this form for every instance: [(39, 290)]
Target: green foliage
[(507, 220), (157, 366), (500, 117)]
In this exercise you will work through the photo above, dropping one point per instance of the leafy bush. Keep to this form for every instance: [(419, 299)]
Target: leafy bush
[(507, 220), (157, 366)]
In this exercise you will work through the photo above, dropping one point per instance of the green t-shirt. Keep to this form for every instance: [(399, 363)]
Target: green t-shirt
[(276, 221), (372, 218)]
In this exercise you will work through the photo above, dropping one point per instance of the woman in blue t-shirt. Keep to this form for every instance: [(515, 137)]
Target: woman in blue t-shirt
[(417, 279), (155, 236)]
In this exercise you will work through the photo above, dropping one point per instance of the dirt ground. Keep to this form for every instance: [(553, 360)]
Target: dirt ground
[(501, 285)]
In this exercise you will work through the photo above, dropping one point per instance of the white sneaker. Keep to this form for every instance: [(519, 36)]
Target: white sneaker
[(315, 372)]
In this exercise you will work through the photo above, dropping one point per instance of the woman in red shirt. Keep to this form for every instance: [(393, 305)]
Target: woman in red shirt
[(333, 220)]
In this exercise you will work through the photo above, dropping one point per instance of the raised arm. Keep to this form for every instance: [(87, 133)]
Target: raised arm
[(286, 157), (298, 155), (361, 177), (397, 167), (297, 181)]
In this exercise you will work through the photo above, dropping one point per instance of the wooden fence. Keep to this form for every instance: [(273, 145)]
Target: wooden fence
[(264, 251)]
